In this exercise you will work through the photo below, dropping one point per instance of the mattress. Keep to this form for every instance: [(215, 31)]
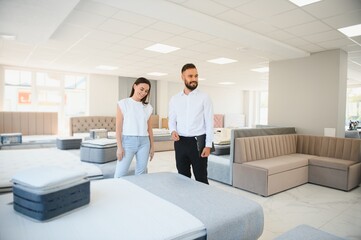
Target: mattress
[(13, 161), (220, 149), (68, 143), (111, 214), (225, 215), (98, 150), (45, 192)]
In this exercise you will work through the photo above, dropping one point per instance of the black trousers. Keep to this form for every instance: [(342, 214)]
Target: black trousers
[(188, 155)]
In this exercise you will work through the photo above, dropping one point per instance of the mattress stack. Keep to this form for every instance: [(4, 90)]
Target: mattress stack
[(48, 191)]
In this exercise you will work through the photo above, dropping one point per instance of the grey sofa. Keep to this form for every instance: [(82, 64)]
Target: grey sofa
[(270, 164), (220, 167)]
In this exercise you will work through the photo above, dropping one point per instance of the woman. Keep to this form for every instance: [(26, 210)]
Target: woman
[(133, 129)]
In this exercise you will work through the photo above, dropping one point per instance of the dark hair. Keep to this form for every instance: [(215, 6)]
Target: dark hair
[(188, 66), (139, 81)]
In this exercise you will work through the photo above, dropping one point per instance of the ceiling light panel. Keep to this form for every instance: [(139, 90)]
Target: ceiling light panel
[(302, 3), (107, 68), (261, 70), (351, 31), (161, 48), (158, 74), (222, 60)]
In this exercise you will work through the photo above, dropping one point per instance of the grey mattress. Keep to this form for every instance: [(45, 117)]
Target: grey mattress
[(98, 155), (70, 143), (225, 215), (220, 149), (49, 205)]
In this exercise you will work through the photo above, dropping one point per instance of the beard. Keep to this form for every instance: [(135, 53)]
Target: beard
[(191, 85)]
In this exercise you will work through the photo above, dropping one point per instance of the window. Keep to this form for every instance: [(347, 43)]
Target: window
[(353, 105), (40, 91), (263, 108)]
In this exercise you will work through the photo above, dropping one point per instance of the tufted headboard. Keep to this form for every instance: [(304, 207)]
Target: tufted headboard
[(85, 123)]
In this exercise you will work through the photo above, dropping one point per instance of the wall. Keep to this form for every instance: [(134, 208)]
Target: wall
[(309, 93), (225, 99), (2, 85), (103, 95)]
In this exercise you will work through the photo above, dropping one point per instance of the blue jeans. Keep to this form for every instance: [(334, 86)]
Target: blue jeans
[(133, 145)]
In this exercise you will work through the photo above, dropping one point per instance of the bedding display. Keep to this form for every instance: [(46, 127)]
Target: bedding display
[(111, 215), (98, 150), (45, 192), (163, 200), (12, 162)]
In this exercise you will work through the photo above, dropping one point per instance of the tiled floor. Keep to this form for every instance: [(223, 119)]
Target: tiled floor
[(330, 210)]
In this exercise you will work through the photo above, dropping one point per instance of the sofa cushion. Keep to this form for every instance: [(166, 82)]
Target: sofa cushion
[(341, 148), (263, 147), (280, 163), (334, 163)]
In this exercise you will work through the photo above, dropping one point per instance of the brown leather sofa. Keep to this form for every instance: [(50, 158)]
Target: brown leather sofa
[(270, 164)]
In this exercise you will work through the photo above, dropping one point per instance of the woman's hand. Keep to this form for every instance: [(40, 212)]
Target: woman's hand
[(151, 153), (120, 153)]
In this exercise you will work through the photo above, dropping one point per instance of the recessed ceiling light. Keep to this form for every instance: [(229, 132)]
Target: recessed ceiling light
[(162, 48), (8, 36), (302, 3), (226, 83), (222, 60), (158, 74), (351, 31), (261, 70), (105, 67)]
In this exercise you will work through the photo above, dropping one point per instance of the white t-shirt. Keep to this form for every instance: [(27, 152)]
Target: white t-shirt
[(135, 117)]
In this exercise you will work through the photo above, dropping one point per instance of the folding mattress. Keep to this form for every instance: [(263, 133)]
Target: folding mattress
[(46, 192), (98, 150)]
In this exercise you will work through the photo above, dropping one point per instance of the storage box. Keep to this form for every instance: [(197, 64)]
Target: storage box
[(10, 138), (98, 133), (46, 192)]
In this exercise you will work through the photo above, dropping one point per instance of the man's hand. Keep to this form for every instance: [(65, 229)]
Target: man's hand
[(175, 136), (206, 151)]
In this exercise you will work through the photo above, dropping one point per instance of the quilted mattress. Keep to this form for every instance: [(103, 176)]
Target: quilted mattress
[(99, 150), (46, 192)]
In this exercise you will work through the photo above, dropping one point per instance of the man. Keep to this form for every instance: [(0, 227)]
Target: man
[(191, 125)]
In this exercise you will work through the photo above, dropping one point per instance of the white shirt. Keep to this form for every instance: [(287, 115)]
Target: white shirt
[(135, 117), (191, 115)]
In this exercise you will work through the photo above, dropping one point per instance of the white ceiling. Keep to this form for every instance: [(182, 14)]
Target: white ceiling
[(77, 36)]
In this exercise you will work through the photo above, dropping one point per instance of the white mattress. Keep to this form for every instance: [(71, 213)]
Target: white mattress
[(118, 209), (46, 179), (12, 161), (161, 132), (100, 143)]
